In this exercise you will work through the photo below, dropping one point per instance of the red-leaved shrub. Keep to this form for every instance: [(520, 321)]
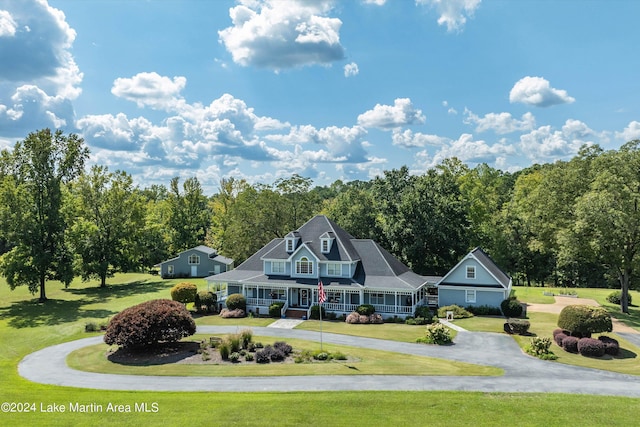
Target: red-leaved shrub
[(611, 345), (559, 337), (590, 347), (570, 344), (150, 323)]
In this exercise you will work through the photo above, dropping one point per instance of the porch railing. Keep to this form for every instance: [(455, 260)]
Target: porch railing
[(285, 307), (398, 309), (263, 301)]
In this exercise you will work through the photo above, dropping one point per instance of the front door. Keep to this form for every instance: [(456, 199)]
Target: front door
[(194, 271), (304, 298)]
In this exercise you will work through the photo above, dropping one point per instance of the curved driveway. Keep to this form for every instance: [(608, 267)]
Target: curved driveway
[(522, 373)]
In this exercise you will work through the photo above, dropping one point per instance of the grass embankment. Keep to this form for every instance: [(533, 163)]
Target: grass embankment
[(26, 326)]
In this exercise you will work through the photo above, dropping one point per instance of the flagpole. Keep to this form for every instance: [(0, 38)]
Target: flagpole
[(320, 310), (321, 298)]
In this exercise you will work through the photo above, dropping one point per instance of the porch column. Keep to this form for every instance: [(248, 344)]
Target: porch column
[(395, 308), (361, 295)]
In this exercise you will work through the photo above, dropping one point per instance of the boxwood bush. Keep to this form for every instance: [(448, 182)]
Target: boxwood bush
[(584, 320), (611, 345), (366, 309), (236, 301), (150, 323), (511, 307), (518, 326), (484, 310), (616, 296), (315, 312), (205, 300), (184, 292), (275, 309), (458, 312), (570, 344)]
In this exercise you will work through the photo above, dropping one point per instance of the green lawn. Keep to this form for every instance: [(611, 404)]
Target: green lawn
[(385, 331), (26, 326)]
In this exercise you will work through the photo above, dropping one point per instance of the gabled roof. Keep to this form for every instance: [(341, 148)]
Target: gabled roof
[(487, 263), (209, 252), (376, 268)]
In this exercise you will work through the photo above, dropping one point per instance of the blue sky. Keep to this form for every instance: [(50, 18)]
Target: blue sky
[(262, 89)]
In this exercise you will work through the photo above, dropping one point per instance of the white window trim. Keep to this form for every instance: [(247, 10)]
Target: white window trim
[(299, 263), (170, 269), (197, 257), (280, 264), (471, 269), (466, 296), (290, 245), (326, 249), (378, 296), (338, 269)]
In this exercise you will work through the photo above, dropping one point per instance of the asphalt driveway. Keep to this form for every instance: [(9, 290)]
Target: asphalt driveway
[(522, 372)]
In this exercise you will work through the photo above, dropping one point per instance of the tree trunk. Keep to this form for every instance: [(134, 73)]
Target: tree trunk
[(624, 288), (43, 293), (103, 280)]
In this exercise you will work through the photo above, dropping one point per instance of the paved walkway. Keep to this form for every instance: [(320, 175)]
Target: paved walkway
[(285, 323), (522, 372)]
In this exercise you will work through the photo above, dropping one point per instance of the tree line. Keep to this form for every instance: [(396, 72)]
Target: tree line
[(570, 223)]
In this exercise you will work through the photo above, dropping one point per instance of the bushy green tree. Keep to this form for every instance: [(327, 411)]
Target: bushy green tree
[(584, 320)]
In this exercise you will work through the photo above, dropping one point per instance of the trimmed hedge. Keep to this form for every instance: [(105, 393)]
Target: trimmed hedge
[(590, 347), (560, 331), (570, 344), (484, 310), (365, 309), (184, 292), (315, 312), (559, 338), (206, 299), (458, 312), (511, 307), (611, 345), (236, 301), (517, 326), (150, 323), (615, 297), (584, 320)]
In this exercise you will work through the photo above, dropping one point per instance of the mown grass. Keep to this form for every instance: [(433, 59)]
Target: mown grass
[(26, 326), (368, 362), (385, 331)]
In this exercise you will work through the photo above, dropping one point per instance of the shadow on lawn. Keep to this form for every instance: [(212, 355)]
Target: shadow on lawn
[(160, 354), (32, 313), (122, 290)]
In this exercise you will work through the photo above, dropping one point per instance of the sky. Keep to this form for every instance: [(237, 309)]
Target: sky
[(328, 89)]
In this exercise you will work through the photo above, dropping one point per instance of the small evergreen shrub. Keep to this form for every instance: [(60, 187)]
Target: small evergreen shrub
[(232, 314), (315, 312), (91, 327), (283, 347), (184, 292), (423, 311), (149, 323), (234, 357), (611, 345), (236, 301), (518, 326), (558, 338), (366, 309), (331, 315), (264, 355), (458, 312), (248, 357), (511, 307), (615, 297), (484, 310), (591, 347), (205, 301), (275, 309), (584, 320), (570, 344), (424, 320), (321, 356)]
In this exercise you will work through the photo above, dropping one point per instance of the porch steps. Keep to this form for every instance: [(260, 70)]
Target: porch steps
[(295, 314)]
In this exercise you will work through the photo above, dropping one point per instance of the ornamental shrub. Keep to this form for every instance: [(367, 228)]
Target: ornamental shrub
[(560, 331), (234, 357), (558, 338), (149, 323), (236, 301), (206, 300), (283, 347), (584, 320), (616, 296), (458, 312), (423, 311), (511, 307), (184, 292), (611, 345), (484, 310), (246, 336), (353, 318), (437, 333), (366, 309), (264, 355), (570, 344), (315, 312), (376, 319), (232, 314), (275, 309), (518, 326), (590, 347), (539, 347)]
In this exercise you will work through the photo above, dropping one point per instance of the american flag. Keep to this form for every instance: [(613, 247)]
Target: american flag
[(322, 297)]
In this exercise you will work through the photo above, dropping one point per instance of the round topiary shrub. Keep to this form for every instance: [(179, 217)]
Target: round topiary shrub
[(590, 347), (615, 297), (560, 331), (236, 301), (353, 318), (366, 309), (611, 345), (205, 301), (559, 338), (184, 292), (518, 326), (275, 309), (511, 307), (570, 344), (584, 320), (150, 323)]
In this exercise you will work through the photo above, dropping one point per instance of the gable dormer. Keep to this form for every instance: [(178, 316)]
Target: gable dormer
[(326, 241), (291, 241)]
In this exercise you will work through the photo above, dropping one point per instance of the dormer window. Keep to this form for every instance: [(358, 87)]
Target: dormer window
[(291, 241), (290, 245), (325, 242)]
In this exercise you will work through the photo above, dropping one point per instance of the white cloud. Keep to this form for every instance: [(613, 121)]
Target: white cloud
[(500, 123), (409, 139), (545, 144), (280, 34), (150, 90), (538, 92), (376, 2), (467, 149), (42, 78), (631, 132), (351, 69), (7, 24), (453, 13), (401, 113)]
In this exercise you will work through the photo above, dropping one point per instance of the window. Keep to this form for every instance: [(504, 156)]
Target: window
[(470, 295), (334, 297), (334, 269), (471, 272), (277, 266), (170, 269), (376, 299), (194, 259), (326, 245), (304, 266), (277, 294), (289, 245)]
